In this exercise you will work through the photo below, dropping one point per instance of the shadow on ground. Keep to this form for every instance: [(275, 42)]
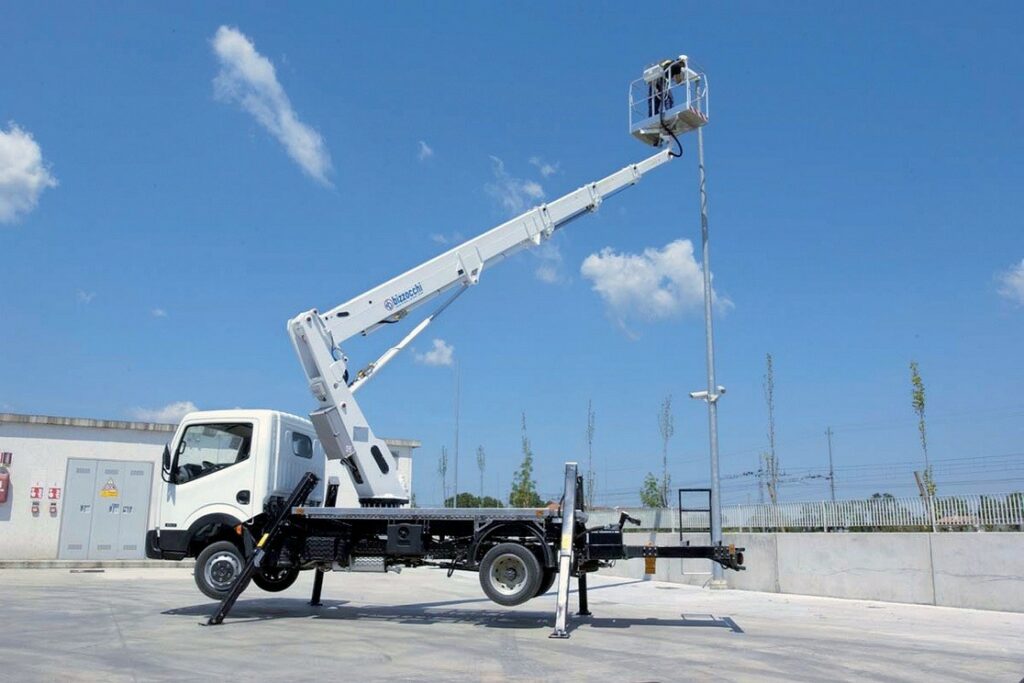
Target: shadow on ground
[(264, 609)]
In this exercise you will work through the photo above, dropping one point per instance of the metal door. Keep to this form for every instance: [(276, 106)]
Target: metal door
[(131, 535), (108, 493), (78, 503)]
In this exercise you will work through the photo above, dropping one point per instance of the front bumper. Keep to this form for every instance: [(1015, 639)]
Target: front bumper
[(166, 544)]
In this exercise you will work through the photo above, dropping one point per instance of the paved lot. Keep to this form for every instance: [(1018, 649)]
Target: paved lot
[(143, 624)]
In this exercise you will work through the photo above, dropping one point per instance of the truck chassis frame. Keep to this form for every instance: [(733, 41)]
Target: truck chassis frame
[(376, 539)]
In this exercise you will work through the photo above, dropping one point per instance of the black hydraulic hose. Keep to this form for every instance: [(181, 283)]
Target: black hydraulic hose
[(665, 128)]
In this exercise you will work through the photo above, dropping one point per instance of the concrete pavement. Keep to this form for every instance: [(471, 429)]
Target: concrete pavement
[(144, 624)]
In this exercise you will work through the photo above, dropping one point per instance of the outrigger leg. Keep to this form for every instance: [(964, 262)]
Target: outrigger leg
[(318, 578), (297, 497)]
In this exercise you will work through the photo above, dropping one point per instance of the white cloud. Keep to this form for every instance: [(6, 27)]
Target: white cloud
[(23, 177), (85, 297), (159, 313), (440, 355), (513, 194), (425, 151), (546, 169), (1011, 283), (440, 238), (549, 270), (655, 285), (170, 413), (248, 78)]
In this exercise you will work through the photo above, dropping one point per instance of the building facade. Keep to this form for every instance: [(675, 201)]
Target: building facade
[(81, 489)]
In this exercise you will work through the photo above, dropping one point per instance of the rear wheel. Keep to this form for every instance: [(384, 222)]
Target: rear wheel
[(547, 582), (510, 574), (276, 580), (217, 568)]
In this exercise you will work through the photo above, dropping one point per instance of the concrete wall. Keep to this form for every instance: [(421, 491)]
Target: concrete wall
[(974, 570), (40, 452), (41, 447)]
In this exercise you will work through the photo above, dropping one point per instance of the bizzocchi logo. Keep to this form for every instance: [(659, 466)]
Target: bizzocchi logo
[(398, 299)]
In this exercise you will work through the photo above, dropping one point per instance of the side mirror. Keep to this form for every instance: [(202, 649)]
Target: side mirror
[(166, 465)]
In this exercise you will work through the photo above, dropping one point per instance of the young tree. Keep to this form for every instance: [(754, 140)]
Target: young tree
[(667, 427), (481, 462), (591, 477), (770, 470), (771, 461), (442, 469), (468, 500), (650, 492), (917, 402), (524, 488)]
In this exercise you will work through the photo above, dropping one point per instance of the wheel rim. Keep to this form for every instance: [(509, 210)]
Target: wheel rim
[(276, 576), (221, 569), (508, 574)]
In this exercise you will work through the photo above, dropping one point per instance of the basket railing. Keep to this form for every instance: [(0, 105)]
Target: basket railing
[(648, 100)]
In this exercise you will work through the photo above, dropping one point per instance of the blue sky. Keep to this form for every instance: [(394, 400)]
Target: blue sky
[(864, 163)]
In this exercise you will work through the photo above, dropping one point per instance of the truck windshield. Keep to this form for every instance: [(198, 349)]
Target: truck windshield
[(210, 447)]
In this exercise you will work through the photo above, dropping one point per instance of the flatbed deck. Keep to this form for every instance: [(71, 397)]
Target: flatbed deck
[(427, 514)]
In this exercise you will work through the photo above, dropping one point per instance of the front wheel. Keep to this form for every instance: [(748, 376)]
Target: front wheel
[(217, 568), (510, 574), (275, 580)]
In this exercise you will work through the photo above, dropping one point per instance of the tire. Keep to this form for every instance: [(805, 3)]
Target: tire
[(547, 582), (510, 574), (277, 580), (217, 567)]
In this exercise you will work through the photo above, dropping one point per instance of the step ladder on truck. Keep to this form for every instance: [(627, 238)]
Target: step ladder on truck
[(252, 494)]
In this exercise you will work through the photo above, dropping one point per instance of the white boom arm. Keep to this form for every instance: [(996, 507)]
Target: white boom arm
[(340, 424)]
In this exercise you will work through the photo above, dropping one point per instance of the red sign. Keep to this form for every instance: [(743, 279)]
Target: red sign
[(35, 492), (54, 493)]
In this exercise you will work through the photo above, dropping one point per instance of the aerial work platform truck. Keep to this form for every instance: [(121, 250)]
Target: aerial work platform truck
[(251, 494)]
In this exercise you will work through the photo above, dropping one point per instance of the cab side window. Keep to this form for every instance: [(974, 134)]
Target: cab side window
[(210, 447), (302, 445)]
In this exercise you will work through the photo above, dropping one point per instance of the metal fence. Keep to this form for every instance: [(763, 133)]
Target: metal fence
[(975, 512)]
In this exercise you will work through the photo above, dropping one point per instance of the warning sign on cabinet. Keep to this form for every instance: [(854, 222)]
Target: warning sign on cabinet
[(109, 489)]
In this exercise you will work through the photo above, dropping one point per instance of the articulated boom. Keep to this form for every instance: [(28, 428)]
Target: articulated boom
[(339, 422)]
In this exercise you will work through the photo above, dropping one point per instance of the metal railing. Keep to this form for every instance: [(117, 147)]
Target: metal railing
[(648, 100), (972, 512)]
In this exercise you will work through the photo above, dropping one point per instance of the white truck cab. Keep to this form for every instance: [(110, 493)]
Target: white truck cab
[(222, 468)]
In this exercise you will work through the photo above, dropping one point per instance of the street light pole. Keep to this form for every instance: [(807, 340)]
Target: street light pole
[(717, 578)]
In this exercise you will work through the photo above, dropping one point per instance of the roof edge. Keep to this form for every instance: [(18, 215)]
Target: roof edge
[(16, 418), (128, 425)]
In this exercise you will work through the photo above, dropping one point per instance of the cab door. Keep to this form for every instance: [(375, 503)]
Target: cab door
[(212, 471)]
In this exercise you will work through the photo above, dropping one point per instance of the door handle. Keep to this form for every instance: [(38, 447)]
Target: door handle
[(242, 497)]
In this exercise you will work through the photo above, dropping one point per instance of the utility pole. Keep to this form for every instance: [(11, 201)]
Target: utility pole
[(455, 502), (442, 469), (760, 478), (481, 463), (589, 494), (717, 578), (771, 461), (831, 471)]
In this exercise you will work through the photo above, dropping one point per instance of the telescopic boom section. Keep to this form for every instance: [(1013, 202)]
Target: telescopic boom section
[(340, 424)]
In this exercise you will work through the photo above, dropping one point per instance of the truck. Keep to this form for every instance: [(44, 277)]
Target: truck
[(252, 494)]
